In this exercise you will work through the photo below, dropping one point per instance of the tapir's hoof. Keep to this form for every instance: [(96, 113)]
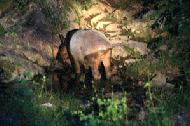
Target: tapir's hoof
[(97, 77)]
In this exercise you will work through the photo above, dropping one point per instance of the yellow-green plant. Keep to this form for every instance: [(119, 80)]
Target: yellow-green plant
[(112, 110), (157, 114)]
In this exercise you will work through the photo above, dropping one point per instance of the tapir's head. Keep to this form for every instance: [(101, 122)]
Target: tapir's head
[(62, 54)]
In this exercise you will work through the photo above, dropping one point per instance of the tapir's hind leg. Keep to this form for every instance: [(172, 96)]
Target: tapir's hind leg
[(106, 62), (102, 71), (95, 70), (75, 66), (92, 61), (96, 59)]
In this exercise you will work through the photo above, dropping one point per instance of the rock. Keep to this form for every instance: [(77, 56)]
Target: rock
[(141, 29), (97, 18), (91, 17), (74, 25), (124, 50), (160, 81), (163, 48), (114, 37), (181, 118), (119, 51), (97, 8), (49, 105), (14, 67), (35, 58), (113, 27), (84, 24), (129, 61), (102, 24), (25, 53), (140, 47), (119, 14), (111, 21), (28, 51), (9, 20), (123, 38)]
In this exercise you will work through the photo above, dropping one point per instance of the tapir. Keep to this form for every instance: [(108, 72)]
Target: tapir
[(86, 47)]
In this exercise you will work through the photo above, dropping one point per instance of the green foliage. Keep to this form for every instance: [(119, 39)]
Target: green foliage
[(142, 68), (5, 5), (25, 101), (172, 16), (21, 5), (6, 68), (86, 4), (2, 30), (112, 110), (132, 52), (177, 100), (28, 75), (121, 3), (162, 104), (56, 16), (116, 108), (153, 15), (157, 113), (127, 32)]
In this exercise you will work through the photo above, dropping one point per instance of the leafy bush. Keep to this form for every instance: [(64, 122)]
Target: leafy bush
[(105, 111), (21, 4)]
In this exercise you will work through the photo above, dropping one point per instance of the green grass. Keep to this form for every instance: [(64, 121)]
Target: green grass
[(28, 107), (162, 104), (28, 96)]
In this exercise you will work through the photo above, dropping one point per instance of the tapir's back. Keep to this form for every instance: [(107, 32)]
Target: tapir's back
[(85, 42)]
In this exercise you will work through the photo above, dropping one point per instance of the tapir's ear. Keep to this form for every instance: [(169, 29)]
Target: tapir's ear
[(62, 38)]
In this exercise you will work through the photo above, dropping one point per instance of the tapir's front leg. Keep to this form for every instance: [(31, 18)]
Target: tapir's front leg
[(92, 60), (95, 69), (76, 68), (75, 65), (106, 62)]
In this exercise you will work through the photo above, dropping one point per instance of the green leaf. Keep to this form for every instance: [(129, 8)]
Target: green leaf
[(147, 85)]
